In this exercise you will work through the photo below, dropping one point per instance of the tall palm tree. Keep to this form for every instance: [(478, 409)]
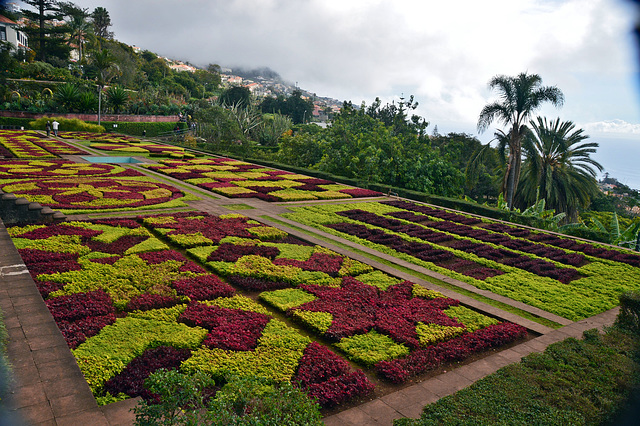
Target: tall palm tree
[(105, 64), (558, 166), (520, 97)]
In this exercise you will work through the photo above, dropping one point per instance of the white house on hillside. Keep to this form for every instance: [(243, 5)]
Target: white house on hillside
[(9, 32)]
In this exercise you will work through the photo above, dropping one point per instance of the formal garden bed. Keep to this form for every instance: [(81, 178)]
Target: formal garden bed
[(238, 179), (563, 276), (129, 302), (75, 188), (30, 144), (122, 144)]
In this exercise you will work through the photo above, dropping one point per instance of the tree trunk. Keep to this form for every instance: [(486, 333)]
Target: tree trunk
[(513, 168)]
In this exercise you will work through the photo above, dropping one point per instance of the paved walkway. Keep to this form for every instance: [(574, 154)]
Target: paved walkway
[(48, 387)]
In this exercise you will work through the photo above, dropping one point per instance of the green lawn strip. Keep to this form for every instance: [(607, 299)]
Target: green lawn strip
[(443, 284), (573, 382)]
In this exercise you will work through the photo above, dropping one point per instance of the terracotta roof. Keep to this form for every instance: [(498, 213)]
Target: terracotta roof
[(6, 20)]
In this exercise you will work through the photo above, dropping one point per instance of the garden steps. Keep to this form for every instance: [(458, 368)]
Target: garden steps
[(15, 210)]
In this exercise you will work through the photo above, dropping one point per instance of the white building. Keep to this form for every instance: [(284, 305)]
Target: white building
[(9, 32)]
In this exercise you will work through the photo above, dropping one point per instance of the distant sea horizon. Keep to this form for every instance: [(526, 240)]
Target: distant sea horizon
[(620, 157)]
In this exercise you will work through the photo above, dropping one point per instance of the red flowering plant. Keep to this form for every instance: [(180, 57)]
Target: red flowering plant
[(456, 349), (21, 169), (210, 228), (82, 315), (328, 378), (203, 287), (231, 329), (87, 194), (233, 179), (131, 380)]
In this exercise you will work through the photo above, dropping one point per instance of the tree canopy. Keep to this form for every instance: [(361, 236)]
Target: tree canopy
[(519, 98)]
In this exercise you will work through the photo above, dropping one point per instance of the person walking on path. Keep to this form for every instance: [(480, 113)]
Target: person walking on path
[(55, 128), (48, 127)]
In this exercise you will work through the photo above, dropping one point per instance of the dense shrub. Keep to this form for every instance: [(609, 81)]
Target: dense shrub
[(629, 317), (66, 125), (184, 399)]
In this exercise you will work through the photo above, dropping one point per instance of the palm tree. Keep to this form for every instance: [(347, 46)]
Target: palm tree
[(105, 64), (78, 27), (558, 166), (520, 97), (67, 96), (117, 97)]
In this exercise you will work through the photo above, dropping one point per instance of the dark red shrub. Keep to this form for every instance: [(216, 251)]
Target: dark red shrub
[(146, 301), (80, 305), (203, 287), (256, 284), (230, 329), (155, 257), (131, 380), (228, 252), (317, 365), (76, 332)]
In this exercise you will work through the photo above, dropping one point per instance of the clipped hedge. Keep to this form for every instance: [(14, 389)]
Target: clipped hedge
[(136, 129), (14, 121), (66, 125)]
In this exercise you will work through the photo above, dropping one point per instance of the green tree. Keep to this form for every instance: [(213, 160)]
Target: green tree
[(46, 39), (117, 98), (87, 102), (80, 29), (7, 63), (101, 23), (67, 96), (106, 69), (236, 95), (273, 127), (396, 116), (520, 97), (298, 109), (558, 165)]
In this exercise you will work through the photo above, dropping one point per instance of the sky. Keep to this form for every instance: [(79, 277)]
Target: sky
[(442, 52)]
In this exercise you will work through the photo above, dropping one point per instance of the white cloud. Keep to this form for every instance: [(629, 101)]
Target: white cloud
[(444, 53), (613, 126)]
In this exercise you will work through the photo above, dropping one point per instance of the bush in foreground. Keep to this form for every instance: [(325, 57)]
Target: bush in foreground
[(186, 400)]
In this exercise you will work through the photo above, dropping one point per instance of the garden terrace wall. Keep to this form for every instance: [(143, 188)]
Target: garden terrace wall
[(94, 117)]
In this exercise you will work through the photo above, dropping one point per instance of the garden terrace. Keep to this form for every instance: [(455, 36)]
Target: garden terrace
[(237, 179), (569, 278), (30, 144), (116, 292), (121, 144), (192, 290), (76, 188)]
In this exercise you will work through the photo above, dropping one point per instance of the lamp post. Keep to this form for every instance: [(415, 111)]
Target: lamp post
[(99, 102)]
